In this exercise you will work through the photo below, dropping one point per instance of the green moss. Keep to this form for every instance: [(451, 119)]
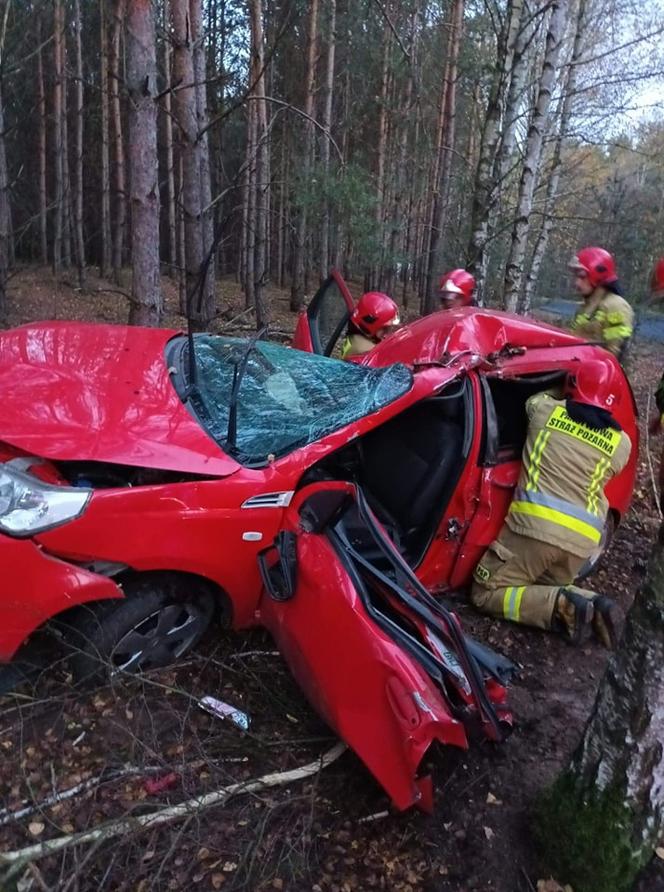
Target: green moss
[(587, 841)]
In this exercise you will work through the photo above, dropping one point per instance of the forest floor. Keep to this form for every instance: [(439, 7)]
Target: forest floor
[(330, 833)]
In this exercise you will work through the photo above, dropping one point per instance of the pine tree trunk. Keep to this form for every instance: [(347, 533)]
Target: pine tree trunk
[(186, 115), (486, 185), (118, 142), (41, 103), (203, 148), (326, 121), (249, 210), (146, 303), (299, 260), (556, 162), (58, 37), (106, 243), (260, 177), (446, 148), (281, 217), (601, 820), (78, 205), (533, 154), (375, 275), (170, 156), (67, 227), (5, 226)]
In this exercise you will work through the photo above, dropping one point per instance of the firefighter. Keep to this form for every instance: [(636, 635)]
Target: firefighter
[(605, 317), (657, 419), (455, 289), (555, 521), (375, 316)]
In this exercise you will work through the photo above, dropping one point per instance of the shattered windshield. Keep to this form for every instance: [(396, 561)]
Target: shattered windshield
[(286, 398)]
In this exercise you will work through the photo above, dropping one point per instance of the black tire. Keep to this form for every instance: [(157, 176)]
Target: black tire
[(160, 620), (595, 558)]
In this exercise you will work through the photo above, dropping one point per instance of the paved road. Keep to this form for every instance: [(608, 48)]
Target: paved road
[(650, 326)]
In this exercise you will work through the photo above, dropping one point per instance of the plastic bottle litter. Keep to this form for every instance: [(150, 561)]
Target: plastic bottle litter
[(225, 711)]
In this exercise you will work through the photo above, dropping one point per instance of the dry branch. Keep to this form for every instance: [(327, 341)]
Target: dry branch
[(130, 825)]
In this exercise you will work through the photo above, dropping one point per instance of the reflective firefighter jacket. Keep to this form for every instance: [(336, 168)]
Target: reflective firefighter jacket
[(566, 465), (606, 318), (356, 345)]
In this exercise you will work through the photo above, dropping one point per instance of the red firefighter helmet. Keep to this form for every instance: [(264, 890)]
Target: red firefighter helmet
[(593, 383), (598, 265), (374, 311), (657, 278), (460, 282)]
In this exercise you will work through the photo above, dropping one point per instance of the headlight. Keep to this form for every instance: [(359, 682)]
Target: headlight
[(27, 505)]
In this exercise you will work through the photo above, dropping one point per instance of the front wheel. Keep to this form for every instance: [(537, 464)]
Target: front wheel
[(593, 561), (160, 620)]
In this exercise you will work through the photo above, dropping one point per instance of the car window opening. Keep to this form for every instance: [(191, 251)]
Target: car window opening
[(508, 397), (408, 468)]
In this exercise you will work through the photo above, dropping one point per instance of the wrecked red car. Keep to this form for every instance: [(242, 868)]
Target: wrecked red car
[(152, 482)]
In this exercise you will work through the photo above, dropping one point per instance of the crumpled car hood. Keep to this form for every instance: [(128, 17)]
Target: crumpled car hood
[(73, 391)]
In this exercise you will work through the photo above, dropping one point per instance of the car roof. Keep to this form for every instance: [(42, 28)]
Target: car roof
[(466, 330)]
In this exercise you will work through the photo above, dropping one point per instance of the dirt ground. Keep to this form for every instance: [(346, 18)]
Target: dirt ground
[(331, 833)]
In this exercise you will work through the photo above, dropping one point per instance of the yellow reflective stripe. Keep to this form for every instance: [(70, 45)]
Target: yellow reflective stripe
[(596, 480), (607, 440), (345, 347), (557, 517), (534, 467), (517, 606), (616, 318), (512, 602), (616, 331)]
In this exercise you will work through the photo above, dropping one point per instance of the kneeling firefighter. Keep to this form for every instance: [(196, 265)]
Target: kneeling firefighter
[(555, 521), (375, 316)]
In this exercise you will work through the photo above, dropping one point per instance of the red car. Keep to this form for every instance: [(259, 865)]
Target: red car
[(147, 487)]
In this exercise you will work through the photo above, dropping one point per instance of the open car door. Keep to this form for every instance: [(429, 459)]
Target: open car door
[(384, 664), (322, 325)]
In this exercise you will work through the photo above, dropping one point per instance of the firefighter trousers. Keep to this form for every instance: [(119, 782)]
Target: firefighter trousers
[(518, 578)]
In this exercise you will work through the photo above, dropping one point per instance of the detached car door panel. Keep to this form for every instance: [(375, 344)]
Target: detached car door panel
[(381, 662)]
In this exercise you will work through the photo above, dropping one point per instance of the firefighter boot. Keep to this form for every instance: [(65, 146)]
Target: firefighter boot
[(573, 613), (604, 621)]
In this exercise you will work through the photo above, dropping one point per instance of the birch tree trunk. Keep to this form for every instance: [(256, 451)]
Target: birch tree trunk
[(106, 242), (297, 286), (556, 162), (601, 820), (326, 121), (118, 141), (58, 36), (531, 163), (523, 47), (203, 148), (143, 165), (485, 188), (78, 205), (259, 180), (170, 156), (41, 103), (186, 114), (446, 148)]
